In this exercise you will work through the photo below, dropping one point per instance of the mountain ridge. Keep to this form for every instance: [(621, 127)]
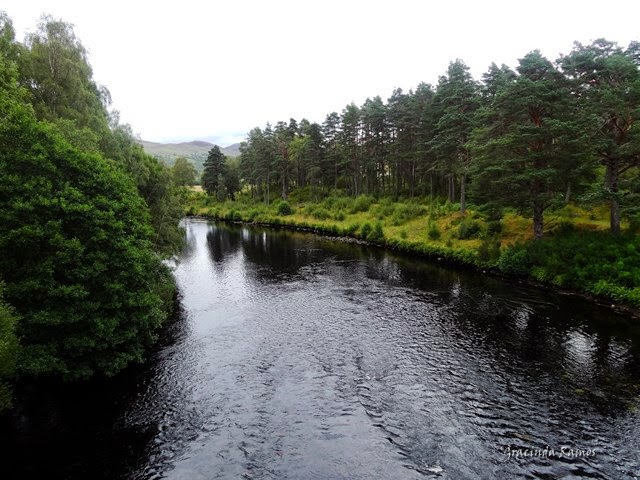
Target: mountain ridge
[(196, 151)]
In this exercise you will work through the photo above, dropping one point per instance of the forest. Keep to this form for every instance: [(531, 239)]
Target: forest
[(87, 219), (467, 170)]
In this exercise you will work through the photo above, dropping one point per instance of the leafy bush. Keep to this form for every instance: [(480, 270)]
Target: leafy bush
[(8, 351), (320, 213), (362, 204), (385, 210), (468, 229), (407, 212), (233, 215), (339, 203), (283, 208), (514, 260), (434, 232), (252, 214), (489, 249), (494, 227)]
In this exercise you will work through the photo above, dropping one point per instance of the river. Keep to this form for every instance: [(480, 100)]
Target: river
[(298, 357)]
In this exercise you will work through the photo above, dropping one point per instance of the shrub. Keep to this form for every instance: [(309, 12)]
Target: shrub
[(320, 213), (340, 216), (233, 215), (434, 232), (514, 260), (340, 203), (362, 204), (489, 249), (385, 210), (494, 227), (253, 213), (8, 351), (407, 212), (468, 229), (283, 208)]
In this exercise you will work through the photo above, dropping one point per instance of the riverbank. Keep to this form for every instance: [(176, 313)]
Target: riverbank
[(577, 254)]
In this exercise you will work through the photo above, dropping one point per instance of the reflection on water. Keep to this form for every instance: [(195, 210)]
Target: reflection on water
[(298, 357)]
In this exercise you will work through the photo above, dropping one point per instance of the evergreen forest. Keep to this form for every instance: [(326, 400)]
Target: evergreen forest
[(531, 171)]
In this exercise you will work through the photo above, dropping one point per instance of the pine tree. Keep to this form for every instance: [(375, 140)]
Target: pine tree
[(606, 82), (213, 170), (530, 142), (455, 103)]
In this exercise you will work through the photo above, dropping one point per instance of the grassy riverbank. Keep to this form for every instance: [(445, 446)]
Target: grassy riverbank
[(577, 251)]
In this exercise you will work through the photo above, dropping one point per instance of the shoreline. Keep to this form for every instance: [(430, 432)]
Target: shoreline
[(442, 257)]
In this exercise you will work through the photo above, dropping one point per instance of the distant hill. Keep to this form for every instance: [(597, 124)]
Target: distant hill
[(195, 151)]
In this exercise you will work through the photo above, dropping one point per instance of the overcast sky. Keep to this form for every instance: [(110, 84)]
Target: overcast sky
[(187, 70)]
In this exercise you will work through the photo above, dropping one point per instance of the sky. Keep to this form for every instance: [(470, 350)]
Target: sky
[(213, 70)]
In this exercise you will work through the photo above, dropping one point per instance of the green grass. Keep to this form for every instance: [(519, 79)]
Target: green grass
[(570, 256)]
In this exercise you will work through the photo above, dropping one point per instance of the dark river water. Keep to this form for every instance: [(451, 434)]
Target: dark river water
[(298, 357)]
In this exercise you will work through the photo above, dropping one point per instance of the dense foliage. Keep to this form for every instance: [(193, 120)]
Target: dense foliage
[(529, 139), (8, 351), (449, 170), (86, 216)]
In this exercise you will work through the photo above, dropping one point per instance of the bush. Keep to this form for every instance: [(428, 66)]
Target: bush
[(434, 232), (233, 215), (8, 351), (385, 210), (320, 213), (489, 249), (253, 213), (283, 208), (339, 203), (362, 204), (340, 216), (494, 227), (407, 212), (514, 260), (468, 229)]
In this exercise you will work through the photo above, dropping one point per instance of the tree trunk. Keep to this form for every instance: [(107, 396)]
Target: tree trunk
[(284, 186), (463, 194), (413, 177), (611, 186), (452, 188), (567, 195), (538, 221)]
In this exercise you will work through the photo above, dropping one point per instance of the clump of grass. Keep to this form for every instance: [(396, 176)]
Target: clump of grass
[(376, 234)]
